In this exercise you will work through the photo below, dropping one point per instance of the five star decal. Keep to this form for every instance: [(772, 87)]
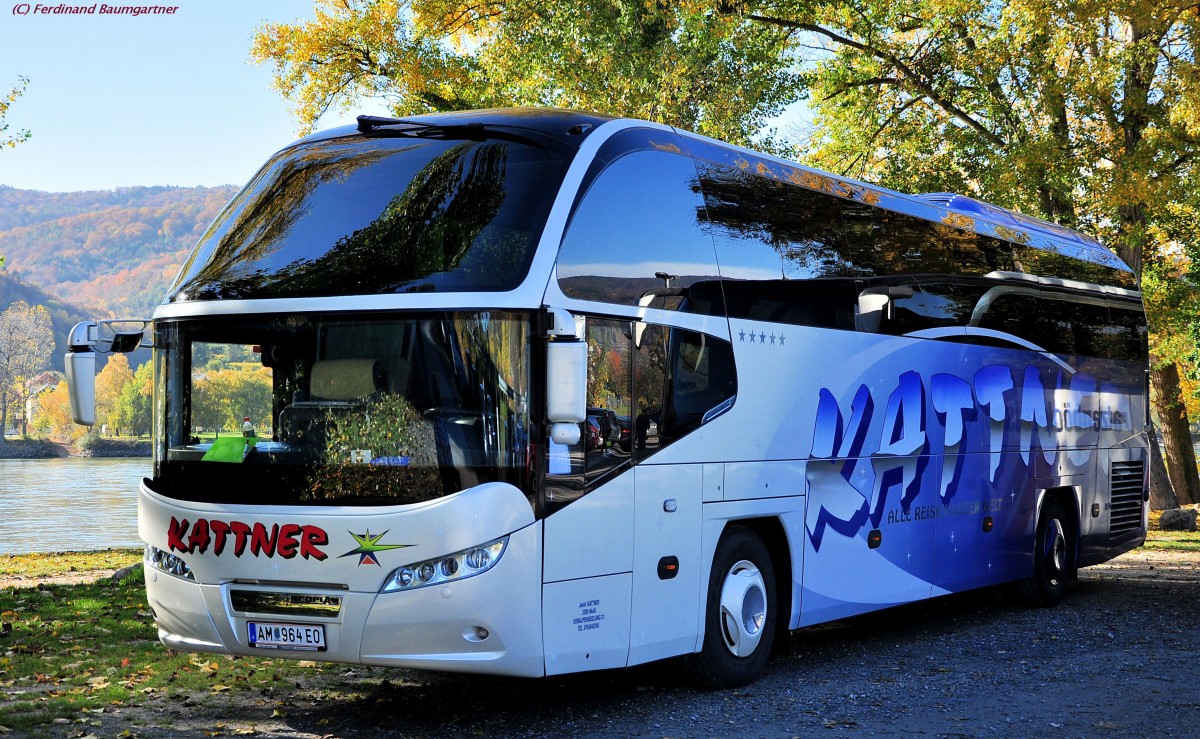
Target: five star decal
[(369, 546), (762, 338)]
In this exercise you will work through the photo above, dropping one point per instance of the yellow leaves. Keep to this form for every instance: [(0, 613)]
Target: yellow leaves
[(6, 100)]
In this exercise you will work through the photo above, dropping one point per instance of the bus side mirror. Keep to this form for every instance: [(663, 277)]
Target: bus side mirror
[(566, 380), (83, 342), (81, 386), (80, 365)]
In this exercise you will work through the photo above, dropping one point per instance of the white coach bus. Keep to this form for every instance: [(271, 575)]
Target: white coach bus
[(378, 376)]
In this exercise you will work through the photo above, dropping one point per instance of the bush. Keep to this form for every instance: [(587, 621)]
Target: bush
[(88, 441)]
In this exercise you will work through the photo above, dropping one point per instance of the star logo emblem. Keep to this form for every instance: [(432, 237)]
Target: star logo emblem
[(369, 546)]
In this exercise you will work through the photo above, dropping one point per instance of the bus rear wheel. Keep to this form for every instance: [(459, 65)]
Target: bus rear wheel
[(739, 620), (1053, 556)]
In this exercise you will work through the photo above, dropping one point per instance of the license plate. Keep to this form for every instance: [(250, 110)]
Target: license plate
[(305, 637)]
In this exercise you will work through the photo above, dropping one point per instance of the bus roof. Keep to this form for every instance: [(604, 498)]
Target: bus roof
[(567, 126), (958, 211)]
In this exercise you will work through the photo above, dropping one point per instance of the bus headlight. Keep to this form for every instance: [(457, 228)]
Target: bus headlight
[(168, 563), (450, 568)]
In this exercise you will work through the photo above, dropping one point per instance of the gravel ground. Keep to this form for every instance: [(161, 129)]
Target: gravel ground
[(1114, 659)]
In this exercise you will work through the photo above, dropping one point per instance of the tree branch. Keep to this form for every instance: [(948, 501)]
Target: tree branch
[(861, 83), (907, 72)]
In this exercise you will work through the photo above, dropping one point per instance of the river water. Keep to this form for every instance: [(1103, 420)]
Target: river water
[(69, 504)]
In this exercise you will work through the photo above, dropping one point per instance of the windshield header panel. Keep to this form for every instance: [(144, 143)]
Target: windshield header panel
[(382, 214)]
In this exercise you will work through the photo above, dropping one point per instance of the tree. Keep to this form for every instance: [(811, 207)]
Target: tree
[(53, 418), (132, 409), (7, 139), (713, 73), (1081, 113), (109, 383), (222, 398), (26, 340)]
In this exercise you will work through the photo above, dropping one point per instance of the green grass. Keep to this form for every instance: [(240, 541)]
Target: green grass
[(1174, 541), (1171, 541), (76, 652)]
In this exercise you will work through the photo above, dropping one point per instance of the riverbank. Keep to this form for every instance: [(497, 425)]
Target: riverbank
[(115, 448), (32, 449), (43, 449)]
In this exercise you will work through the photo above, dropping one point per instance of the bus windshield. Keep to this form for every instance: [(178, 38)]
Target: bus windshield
[(341, 409), (354, 216)]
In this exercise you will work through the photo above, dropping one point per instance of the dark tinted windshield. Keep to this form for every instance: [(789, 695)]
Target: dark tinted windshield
[(359, 216)]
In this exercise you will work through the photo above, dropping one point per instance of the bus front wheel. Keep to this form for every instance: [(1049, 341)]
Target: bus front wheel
[(739, 620), (1053, 556)]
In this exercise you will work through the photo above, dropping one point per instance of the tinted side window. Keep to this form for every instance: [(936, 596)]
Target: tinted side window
[(1049, 264), (875, 241), (1128, 333), (638, 229), (826, 303), (768, 230), (1065, 323), (701, 380)]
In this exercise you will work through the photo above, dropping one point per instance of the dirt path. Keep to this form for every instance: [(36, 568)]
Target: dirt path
[(67, 578)]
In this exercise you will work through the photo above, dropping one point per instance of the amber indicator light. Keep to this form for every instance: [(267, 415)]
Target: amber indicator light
[(668, 567)]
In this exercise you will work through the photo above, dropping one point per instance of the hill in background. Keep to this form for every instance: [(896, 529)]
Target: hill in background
[(109, 252)]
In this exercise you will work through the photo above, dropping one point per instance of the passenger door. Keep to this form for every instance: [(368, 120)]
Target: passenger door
[(589, 532)]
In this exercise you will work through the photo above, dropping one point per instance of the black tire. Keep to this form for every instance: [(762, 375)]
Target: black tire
[(739, 633), (1053, 556)]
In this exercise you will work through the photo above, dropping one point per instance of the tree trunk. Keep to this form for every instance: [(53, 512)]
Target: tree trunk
[(1162, 497), (3, 416), (1177, 437)]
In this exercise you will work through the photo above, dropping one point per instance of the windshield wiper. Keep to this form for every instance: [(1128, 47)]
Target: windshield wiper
[(380, 126)]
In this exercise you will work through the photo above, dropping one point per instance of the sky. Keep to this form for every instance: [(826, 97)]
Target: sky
[(117, 101)]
